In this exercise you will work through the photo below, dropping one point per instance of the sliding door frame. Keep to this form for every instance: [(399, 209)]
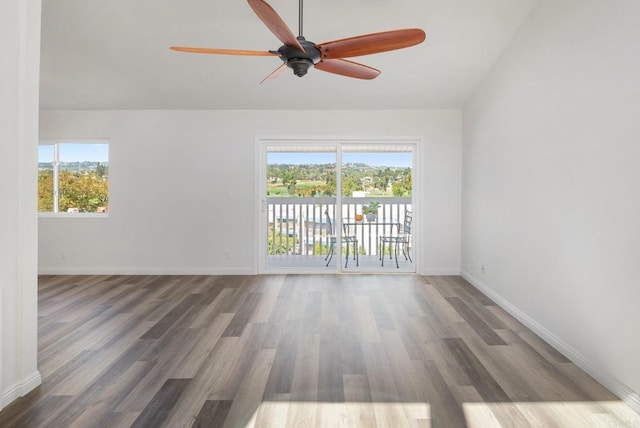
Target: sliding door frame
[(260, 232)]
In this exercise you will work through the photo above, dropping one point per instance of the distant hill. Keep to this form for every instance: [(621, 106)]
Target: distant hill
[(73, 166)]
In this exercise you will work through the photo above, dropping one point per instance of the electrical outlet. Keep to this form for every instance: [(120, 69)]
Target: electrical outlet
[(482, 269), (227, 255)]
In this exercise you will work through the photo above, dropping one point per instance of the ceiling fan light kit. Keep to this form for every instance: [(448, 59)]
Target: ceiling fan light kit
[(299, 54)]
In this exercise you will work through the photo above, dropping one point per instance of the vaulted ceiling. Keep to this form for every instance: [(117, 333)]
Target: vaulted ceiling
[(115, 54)]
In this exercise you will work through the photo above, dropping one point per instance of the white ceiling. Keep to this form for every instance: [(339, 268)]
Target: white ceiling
[(114, 54)]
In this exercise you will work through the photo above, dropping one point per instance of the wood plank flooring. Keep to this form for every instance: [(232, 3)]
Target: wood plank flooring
[(296, 351)]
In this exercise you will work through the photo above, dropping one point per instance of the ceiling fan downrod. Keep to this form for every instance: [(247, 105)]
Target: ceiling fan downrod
[(300, 19), (300, 61)]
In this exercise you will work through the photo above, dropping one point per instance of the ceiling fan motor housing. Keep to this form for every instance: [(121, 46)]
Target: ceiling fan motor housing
[(297, 60)]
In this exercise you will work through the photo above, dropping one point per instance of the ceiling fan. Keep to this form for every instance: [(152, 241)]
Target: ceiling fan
[(300, 54)]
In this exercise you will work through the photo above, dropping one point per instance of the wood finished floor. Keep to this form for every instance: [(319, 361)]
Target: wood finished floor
[(296, 351)]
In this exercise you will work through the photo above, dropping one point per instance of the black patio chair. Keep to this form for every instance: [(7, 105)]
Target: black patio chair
[(346, 239), (401, 240)]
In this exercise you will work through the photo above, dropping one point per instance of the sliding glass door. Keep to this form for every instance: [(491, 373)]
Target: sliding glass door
[(376, 196), (314, 203), (300, 186)]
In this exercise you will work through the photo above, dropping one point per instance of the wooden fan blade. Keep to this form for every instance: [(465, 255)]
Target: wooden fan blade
[(274, 23), (347, 68), (223, 51), (275, 73), (372, 43)]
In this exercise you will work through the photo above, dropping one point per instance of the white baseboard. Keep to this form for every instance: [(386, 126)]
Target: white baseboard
[(146, 271), (630, 397), (20, 389), (193, 271)]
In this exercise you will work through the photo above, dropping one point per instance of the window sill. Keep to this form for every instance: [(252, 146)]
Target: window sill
[(73, 215)]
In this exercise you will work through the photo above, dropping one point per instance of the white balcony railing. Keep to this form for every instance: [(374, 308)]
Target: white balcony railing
[(299, 225)]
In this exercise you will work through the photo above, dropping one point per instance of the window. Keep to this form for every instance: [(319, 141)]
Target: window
[(73, 177)]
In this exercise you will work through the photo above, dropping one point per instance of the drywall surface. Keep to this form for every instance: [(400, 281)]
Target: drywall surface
[(182, 186), (19, 64), (551, 206)]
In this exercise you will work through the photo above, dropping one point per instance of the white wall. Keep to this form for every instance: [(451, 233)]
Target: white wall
[(172, 173), (551, 204), (19, 68)]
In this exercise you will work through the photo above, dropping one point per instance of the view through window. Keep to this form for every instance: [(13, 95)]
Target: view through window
[(73, 177), (328, 204)]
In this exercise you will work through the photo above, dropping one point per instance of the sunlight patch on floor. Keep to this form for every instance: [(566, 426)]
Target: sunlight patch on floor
[(351, 414), (605, 414)]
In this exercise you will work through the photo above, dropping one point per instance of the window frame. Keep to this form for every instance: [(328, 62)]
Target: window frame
[(56, 181)]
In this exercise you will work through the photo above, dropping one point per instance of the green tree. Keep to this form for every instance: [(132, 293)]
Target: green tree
[(86, 192), (329, 189), (280, 243), (402, 187), (101, 170), (382, 178), (45, 191), (273, 173), (290, 180), (350, 185)]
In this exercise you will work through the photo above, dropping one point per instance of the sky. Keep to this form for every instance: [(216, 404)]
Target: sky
[(100, 153), (75, 152), (403, 160)]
